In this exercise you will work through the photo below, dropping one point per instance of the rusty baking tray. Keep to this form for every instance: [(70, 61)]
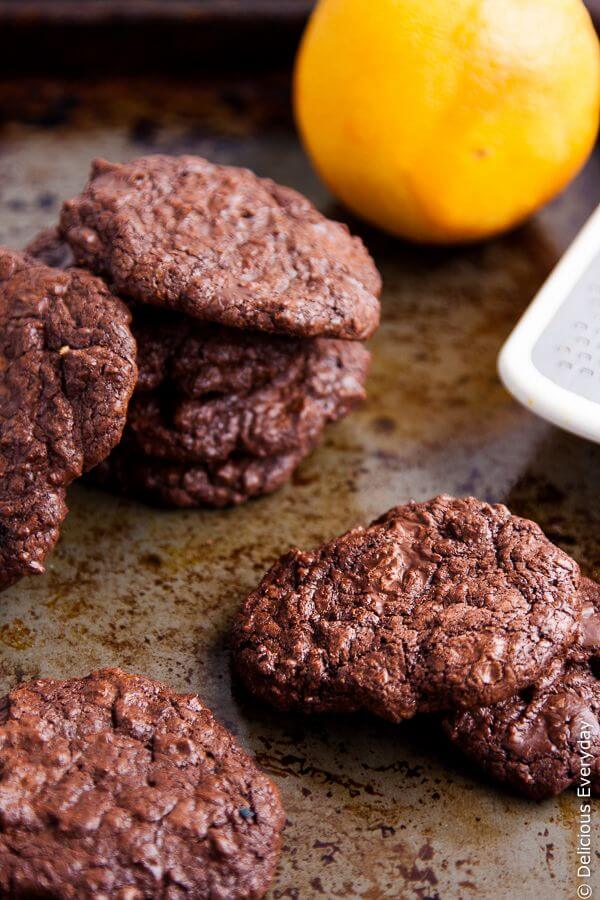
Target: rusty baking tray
[(373, 810)]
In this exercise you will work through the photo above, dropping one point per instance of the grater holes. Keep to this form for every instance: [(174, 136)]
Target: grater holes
[(568, 349)]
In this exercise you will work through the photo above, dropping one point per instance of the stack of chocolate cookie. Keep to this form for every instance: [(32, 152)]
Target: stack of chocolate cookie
[(249, 308), (449, 606)]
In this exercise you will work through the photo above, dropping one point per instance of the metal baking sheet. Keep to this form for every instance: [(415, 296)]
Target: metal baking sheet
[(373, 810)]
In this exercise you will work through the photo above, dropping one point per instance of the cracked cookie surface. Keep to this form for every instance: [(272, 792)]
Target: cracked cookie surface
[(115, 786), (207, 393), (220, 416), (67, 370), (432, 606), (530, 741), (222, 245)]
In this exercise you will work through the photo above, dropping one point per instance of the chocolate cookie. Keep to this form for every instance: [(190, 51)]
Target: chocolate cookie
[(208, 393), (67, 370), (115, 786), (216, 485), (222, 245), (220, 416), (530, 742), (434, 605)]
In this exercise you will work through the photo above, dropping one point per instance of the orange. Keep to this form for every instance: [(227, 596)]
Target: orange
[(447, 121)]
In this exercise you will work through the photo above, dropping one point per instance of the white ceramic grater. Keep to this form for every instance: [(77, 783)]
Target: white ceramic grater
[(551, 361)]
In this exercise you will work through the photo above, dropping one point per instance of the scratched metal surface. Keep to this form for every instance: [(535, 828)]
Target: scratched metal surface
[(373, 810)]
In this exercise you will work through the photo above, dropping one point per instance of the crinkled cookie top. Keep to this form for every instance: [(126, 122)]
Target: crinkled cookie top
[(434, 605), (531, 741), (115, 786), (67, 370), (222, 245)]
